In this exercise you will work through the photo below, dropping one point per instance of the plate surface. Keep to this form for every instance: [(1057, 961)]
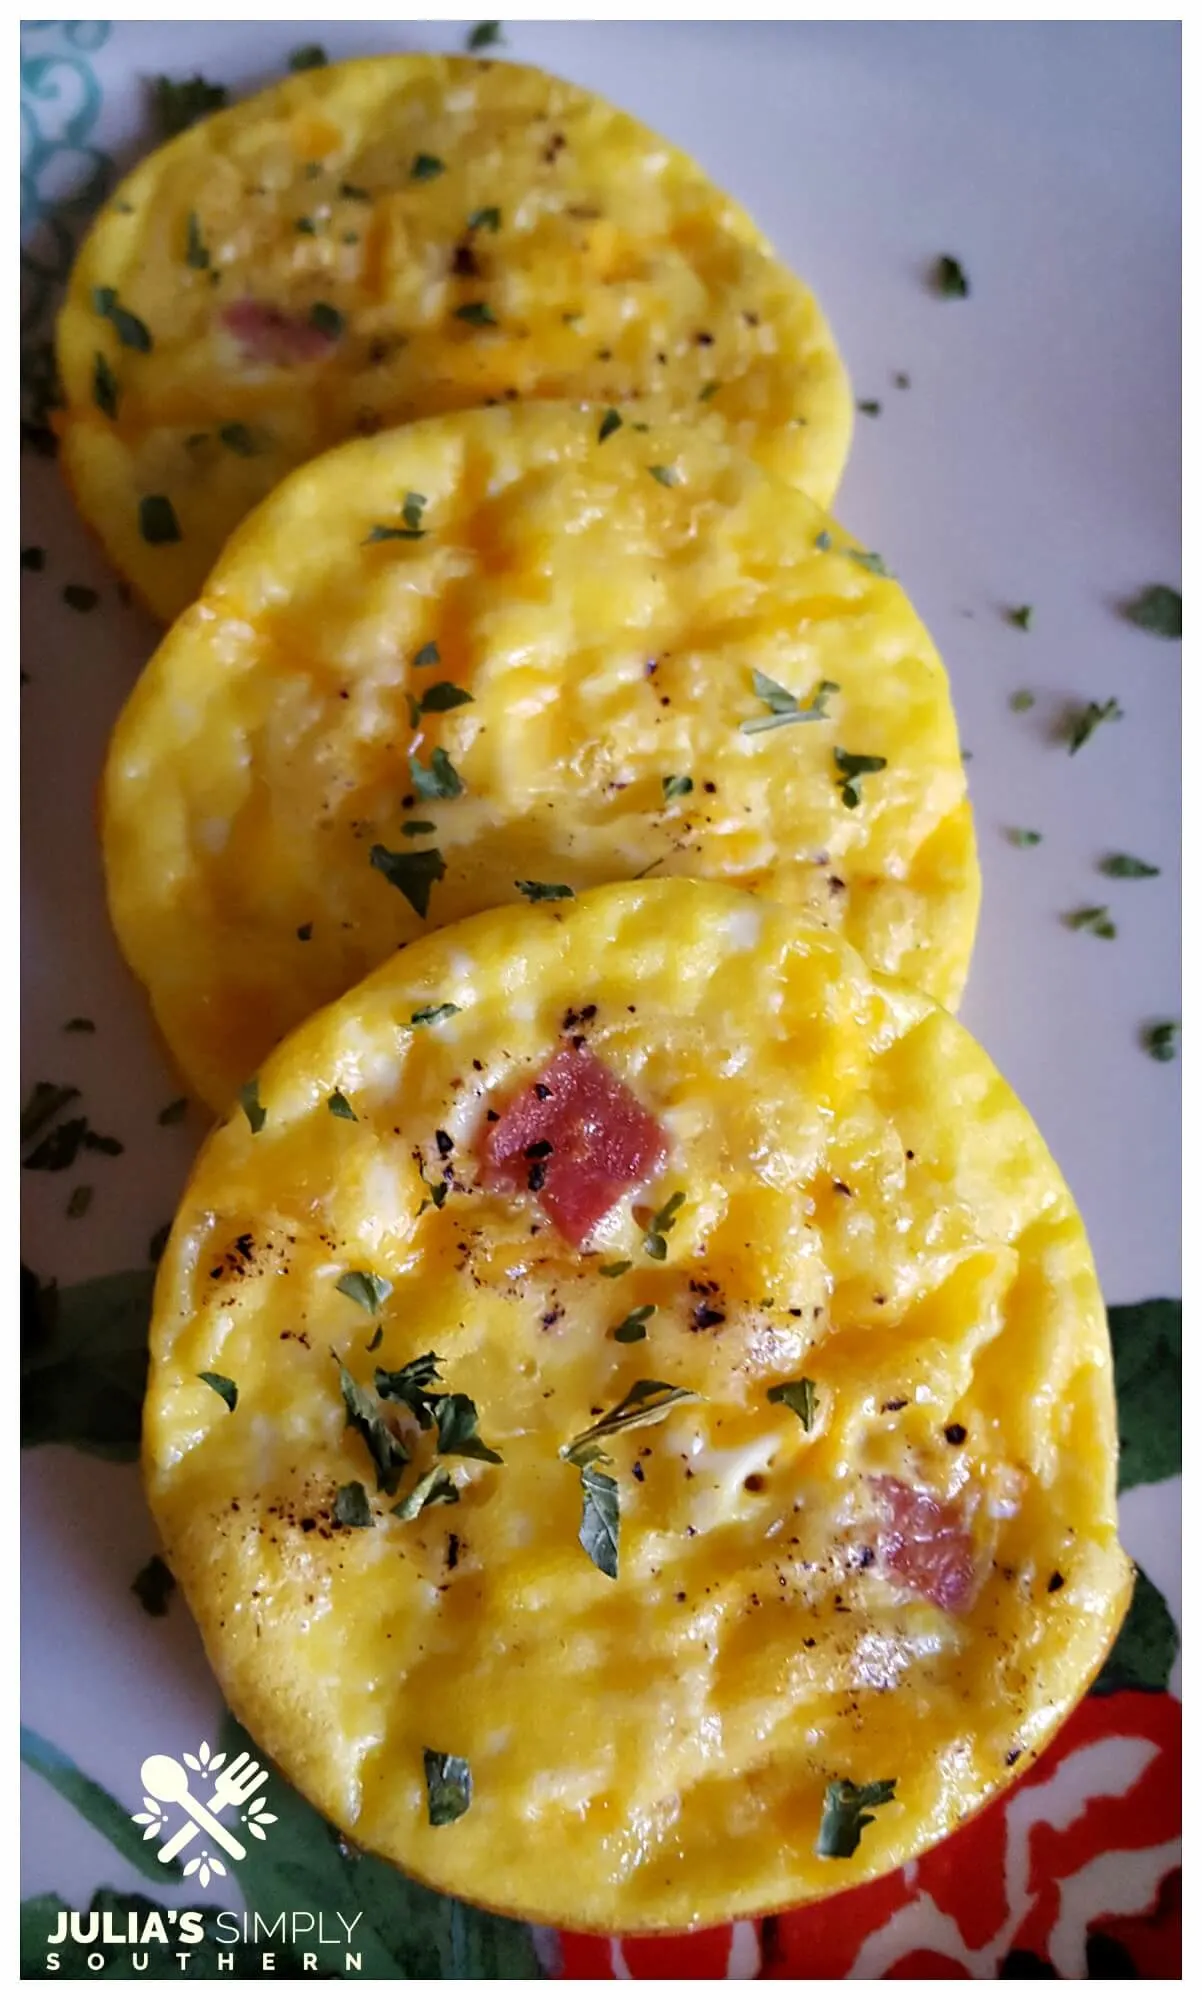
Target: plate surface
[(1031, 459)]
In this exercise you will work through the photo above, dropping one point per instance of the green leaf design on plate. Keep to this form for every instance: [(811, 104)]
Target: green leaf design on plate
[(83, 1362), (97, 1806), (1147, 1377), (1145, 1651)]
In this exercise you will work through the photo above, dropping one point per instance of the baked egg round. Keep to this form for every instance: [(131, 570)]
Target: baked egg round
[(387, 239), (630, 1409), (516, 653)]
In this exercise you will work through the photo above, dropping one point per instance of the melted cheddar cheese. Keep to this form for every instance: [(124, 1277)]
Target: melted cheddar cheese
[(822, 1179)]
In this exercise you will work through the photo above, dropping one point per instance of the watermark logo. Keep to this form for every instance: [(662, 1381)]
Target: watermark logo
[(236, 1785)]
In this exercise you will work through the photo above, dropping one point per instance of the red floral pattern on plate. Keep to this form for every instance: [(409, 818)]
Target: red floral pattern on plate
[(1075, 1874)]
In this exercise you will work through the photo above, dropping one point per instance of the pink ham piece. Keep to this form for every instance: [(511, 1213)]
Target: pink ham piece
[(579, 1137), (925, 1543), (264, 333)]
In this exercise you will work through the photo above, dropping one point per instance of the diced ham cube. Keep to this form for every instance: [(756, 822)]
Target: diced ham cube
[(926, 1544), (576, 1137), (281, 339)]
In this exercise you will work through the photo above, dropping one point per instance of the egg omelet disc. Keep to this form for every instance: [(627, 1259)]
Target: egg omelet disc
[(522, 647), (671, 1470), (388, 239)]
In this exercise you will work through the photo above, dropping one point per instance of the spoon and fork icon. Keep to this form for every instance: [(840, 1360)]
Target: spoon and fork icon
[(167, 1781)]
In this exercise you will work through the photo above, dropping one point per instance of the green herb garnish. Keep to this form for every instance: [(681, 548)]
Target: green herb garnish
[(801, 1397), (667, 475), (1126, 867), (341, 1107), (427, 655), (326, 319), (949, 279), (870, 407), (248, 1098), (852, 769), (153, 1586), (434, 1489), (610, 423), (477, 313), (441, 781), (80, 596), (34, 558), (1021, 700), (106, 392), (544, 892), (413, 874), (195, 253), (79, 1024), (352, 1508), (1162, 1040), (374, 1343), (178, 105), (441, 697), (677, 788), (823, 541), (1021, 616), (485, 218), (238, 438), (784, 707), (869, 560), (365, 1288), (129, 329), (448, 1779), (417, 1385), (644, 1403), (846, 1814), (310, 55), (707, 390), (457, 1418), (484, 35), (1023, 836), (1156, 609), (366, 1418), (617, 1270), (426, 167), (411, 515), (157, 520), (79, 1202), (429, 1017), (1083, 723), (1096, 919), (350, 192), (172, 1113), (221, 1386), (664, 1219), (600, 1512), (634, 1326)]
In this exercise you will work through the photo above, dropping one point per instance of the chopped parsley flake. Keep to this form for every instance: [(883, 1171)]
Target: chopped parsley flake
[(1096, 919), (1162, 1040), (178, 105), (80, 1201), (238, 438), (434, 1489), (221, 1386), (1021, 700), (477, 313), (846, 1814), (248, 1098), (195, 253), (441, 781), (79, 1024), (784, 707), (172, 1113), (374, 1343), (485, 218), (610, 423), (153, 1586), (823, 540), (545, 892), (129, 329), (412, 827), (365, 1288), (80, 596), (707, 390), (305, 225), (441, 696), (801, 1397), (600, 1514), (1021, 616), (457, 1420), (949, 278), (617, 1270), (429, 1017), (634, 1326), (448, 1779), (662, 1221), (1023, 836), (1083, 723), (644, 1403), (869, 560), (34, 558), (350, 192), (310, 55), (426, 167), (365, 1417), (326, 319), (853, 769), (416, 1385), (1126, 867), (157, 520), (341, 1107), (427, 655), (352, 1508), (1156, 609), (485, 35), (45, 1102), (106, 392), (870, 407), (677, 788), (667, 475), (413, 874)]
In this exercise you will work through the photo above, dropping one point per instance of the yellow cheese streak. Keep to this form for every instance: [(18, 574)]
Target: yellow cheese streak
[(606, 604), (864, 1204), (387, 239)]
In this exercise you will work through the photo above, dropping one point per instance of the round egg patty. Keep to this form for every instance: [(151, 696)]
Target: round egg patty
[(388, 239), (522, 652), (630, 1409)]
